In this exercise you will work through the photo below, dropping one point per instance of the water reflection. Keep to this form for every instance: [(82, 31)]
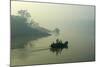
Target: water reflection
[(38, 50), (20, 42), (56, 50)]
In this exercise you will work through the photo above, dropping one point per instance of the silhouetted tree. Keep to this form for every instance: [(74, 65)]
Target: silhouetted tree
[(24, 13)]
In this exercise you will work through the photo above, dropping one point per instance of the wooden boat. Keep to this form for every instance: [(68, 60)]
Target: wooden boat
[(59, 44)]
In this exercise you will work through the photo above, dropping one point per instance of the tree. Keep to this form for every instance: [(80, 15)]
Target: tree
[(24, 13)]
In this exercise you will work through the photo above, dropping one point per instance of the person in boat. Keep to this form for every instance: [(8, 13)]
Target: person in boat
[(66, 44), (60, 41), (57, 41), (59, 44)]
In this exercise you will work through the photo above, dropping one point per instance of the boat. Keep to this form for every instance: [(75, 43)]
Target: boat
[(59, 44)]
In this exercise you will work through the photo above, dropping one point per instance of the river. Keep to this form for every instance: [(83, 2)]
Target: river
[(81, 47)]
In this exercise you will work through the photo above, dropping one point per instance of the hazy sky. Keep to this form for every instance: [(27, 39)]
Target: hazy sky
[(76, 24), (49, 15)]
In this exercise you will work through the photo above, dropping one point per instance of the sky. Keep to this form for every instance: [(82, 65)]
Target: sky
[(54, 15)]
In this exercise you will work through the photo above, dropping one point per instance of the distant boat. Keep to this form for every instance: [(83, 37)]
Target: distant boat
[(59, 44)]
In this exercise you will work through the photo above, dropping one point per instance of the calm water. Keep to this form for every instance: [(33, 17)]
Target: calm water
[(81, 47)]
